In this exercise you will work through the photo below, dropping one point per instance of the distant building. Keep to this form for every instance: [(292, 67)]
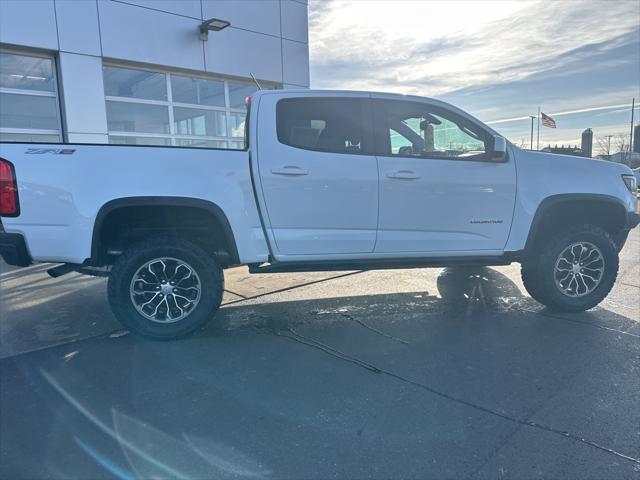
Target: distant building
[(562, 150), (586, 144), (631, 159), (636, 139)]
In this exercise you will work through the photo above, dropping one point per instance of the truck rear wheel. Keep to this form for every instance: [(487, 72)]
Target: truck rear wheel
[(165, 288), (575, 269)]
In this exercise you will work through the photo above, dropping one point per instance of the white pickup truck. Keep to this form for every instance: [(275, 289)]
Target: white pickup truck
[(329, 180)]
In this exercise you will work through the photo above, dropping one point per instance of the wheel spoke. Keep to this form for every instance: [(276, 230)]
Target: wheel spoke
[(567, 262), (573, 252), (186, 275), (580, 280), (565, 277), (173, 299), (591, 262), (583, 249)]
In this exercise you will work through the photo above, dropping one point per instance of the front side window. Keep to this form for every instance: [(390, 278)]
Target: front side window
[(29, 108), (417, 130), (323, 124), (165, 108)]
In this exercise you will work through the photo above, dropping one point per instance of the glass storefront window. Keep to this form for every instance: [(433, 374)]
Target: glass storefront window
[(197, 91), (190, 110), (237, 124), (28, 112), (29, 108), (192, 121), (136, 117), (238, 92), (119, 140), (125, 82), (193, 142)]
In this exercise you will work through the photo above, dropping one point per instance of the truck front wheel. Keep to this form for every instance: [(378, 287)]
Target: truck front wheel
[(165, 288), (574, 270)]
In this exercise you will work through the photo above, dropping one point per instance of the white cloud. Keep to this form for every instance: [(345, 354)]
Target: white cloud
[(614, 109), (434, 47)]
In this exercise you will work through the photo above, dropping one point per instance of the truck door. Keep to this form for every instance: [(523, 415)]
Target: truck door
[(318, 177), (439, 192)]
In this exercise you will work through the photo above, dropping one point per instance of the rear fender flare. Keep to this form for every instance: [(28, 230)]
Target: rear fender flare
[(159, 201)]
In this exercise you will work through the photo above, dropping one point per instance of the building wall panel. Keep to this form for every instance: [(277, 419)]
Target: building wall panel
[(83, 93), (28, 22), (295, 58), (239, 53), (294, 21), (143, 35), (261, 16), (78, 26), (187, 8)]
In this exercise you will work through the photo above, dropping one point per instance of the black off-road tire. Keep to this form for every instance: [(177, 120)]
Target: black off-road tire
[(529, 275), (211, 282), (538, 272)]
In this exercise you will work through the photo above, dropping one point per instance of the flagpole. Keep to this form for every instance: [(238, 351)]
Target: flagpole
[(538, 145)]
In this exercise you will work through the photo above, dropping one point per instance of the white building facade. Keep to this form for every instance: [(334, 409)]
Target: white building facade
[(139, 72)]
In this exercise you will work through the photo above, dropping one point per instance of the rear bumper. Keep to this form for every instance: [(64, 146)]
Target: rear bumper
[(13, 249)]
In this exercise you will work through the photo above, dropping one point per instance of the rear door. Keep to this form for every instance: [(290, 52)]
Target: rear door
[(439, 191), (317, 173)]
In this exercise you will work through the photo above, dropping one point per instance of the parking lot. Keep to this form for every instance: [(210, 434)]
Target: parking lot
[(428, 373)]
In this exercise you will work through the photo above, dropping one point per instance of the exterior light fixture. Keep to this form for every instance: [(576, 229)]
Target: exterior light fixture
[(214, 24)]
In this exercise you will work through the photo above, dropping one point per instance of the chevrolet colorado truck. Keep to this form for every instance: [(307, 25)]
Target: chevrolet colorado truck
[(328, 180)]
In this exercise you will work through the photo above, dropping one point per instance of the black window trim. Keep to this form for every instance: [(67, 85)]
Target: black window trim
[(383, 143), (368, 140)]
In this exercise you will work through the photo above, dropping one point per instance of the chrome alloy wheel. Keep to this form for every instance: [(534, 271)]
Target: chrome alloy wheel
[(165, 290), (579, 269)]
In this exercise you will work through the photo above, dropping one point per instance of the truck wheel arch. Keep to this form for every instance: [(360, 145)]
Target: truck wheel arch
[(563, 202), (162, 201)]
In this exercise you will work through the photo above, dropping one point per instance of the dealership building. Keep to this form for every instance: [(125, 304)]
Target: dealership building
[(144, 72)]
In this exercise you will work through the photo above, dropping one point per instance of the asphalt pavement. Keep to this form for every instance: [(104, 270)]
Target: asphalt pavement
[(427, 373)]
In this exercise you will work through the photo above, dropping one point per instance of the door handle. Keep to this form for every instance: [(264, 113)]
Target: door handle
[(403, 175), (290, 170)]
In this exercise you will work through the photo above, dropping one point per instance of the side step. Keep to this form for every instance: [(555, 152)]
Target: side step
[(61, 270), (65, 268), (378, 264)]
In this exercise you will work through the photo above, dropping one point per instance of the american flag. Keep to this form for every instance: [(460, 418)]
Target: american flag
[(547, 121)]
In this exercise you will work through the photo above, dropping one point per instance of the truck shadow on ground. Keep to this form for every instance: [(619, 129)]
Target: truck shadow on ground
[(461, 291)]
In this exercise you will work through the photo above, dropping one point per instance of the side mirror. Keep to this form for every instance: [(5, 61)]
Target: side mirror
[(499, 151)]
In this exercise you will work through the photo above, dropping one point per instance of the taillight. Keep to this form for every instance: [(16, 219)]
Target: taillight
[(8, 190)]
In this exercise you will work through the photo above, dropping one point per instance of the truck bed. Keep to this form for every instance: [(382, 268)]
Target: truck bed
[(63, 187)]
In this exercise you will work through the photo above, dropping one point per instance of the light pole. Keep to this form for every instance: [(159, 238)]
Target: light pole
[(531, 143), (538, 146), (608, 137)]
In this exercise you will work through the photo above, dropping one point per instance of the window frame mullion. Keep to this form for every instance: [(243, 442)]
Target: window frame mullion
[(172, 127)]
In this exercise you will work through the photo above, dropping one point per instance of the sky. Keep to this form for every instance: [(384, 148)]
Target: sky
[(579, 60)]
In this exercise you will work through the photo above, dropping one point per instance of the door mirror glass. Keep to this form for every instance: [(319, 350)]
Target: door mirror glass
[(499, 152)]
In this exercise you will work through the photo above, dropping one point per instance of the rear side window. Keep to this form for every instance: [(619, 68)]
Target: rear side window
[(323, 124)]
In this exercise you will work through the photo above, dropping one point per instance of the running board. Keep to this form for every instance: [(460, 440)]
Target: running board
[(378, 264), (65, 268)]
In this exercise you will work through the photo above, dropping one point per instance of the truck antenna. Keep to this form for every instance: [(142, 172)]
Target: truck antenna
[(255, 81)]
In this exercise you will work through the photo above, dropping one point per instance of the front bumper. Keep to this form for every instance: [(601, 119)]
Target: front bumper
[(633, 219), (13, 249), (631, 222)]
